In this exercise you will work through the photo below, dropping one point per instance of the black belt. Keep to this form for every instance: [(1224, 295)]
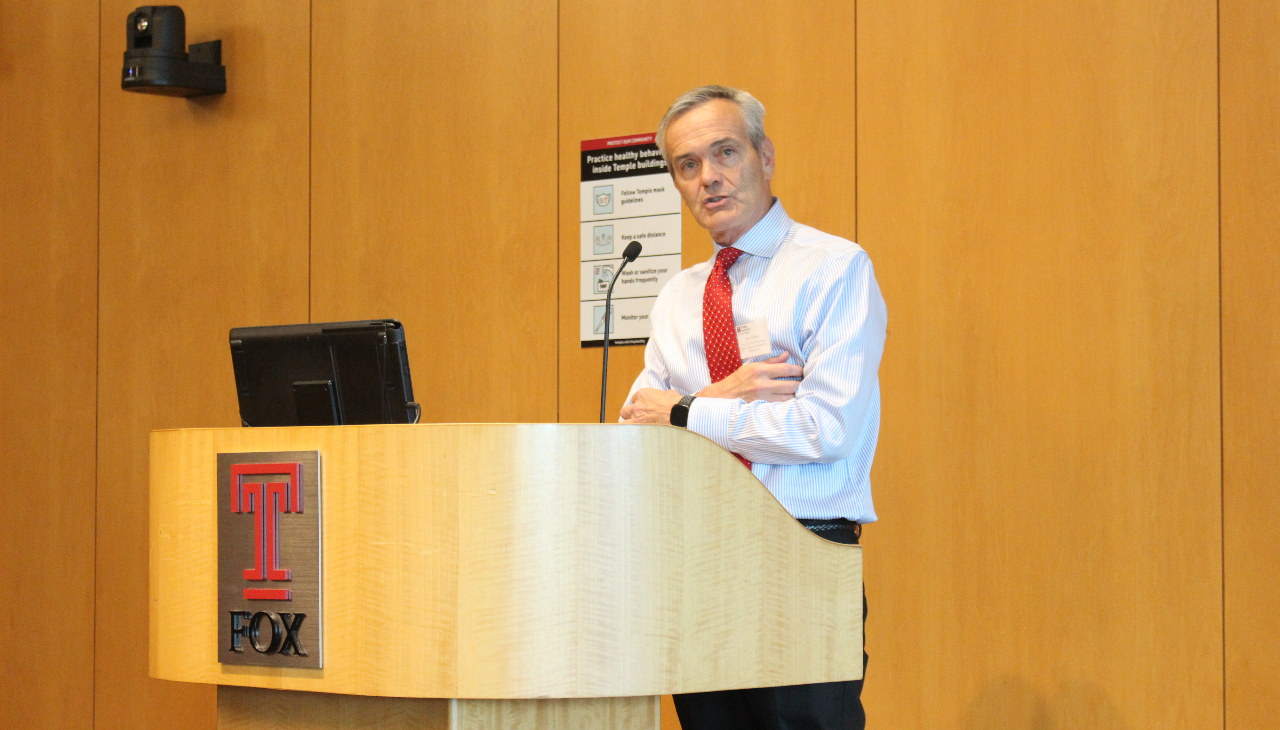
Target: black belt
[(821, 526)]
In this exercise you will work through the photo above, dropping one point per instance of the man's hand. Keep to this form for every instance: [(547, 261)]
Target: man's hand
[(650, 406), (759, 381)]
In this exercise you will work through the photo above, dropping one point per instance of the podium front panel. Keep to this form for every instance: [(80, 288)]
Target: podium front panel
[(516, 561)]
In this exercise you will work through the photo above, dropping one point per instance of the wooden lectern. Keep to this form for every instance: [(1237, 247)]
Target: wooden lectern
[(504, 575)]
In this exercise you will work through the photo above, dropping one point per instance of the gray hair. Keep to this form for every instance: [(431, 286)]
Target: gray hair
[(752, 113)]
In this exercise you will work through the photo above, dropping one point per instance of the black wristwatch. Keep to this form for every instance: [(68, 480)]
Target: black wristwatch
[(680, 412)]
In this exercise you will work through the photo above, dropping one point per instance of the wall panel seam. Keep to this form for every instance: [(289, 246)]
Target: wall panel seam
[(97, 381), (311, 144), (559, 216), (1222, 420)]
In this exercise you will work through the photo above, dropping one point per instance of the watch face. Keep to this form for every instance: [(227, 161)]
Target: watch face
[(680, 412)]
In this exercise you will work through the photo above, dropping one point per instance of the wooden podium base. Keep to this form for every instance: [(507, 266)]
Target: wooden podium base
[(249, 708)]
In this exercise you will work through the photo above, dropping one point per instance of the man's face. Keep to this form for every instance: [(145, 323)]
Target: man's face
[(722, 178)]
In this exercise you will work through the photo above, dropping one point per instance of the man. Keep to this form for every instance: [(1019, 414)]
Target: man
[(800, 406)]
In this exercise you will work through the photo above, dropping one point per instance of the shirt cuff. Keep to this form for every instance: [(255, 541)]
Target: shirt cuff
[(711, 417)]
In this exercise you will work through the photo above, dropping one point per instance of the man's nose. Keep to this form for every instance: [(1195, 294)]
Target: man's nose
[(710, 175)]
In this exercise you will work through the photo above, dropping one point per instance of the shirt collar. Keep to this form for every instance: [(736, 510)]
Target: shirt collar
[(766, 235)]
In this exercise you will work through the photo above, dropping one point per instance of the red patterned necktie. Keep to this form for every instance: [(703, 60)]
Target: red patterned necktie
[(718, 334)]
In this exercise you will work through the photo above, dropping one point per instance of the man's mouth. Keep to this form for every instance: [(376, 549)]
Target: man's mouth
[(714, 199)]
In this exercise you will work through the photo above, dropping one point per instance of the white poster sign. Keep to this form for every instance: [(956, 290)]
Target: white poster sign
[(626, 195)]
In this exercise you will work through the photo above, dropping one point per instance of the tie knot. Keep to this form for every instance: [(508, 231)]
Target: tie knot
[(727, 256)]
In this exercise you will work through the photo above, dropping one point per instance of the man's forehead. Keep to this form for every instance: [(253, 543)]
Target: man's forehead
[(717, 122)]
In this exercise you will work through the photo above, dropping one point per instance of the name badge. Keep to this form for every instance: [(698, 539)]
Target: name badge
[(753, 339)]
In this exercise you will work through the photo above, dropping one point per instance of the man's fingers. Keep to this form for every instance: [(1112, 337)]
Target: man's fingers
[(788, 387), (772, 372), (771, 388), (781, 370)]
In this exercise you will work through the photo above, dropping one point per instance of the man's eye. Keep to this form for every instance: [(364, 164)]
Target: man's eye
[(727, 151)]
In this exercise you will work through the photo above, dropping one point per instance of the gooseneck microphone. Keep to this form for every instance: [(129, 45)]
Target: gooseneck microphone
[(628, 255)]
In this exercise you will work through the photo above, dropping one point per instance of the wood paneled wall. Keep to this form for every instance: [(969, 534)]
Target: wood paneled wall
[(1250, 53), (1073, 515), (203, 228), (433, 193), (48, 285), (1037, 183)]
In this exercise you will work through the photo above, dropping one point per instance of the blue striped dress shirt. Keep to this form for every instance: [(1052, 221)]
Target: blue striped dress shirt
[(819, 296)]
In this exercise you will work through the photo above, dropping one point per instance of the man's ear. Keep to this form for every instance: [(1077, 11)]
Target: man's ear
[(766, 158)]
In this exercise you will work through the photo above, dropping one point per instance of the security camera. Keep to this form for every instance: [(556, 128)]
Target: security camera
[(157, 60)]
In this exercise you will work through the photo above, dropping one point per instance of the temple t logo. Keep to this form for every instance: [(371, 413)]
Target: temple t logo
[(269, 559)]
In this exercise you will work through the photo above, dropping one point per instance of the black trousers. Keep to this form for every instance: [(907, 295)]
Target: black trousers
[(826, 706)]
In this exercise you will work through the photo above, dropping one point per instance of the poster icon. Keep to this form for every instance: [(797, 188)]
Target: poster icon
[(602, 239), (602, 199), (598, 317), (602, 275)]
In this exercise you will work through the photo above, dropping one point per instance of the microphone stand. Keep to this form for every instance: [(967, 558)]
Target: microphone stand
[(633, 250)]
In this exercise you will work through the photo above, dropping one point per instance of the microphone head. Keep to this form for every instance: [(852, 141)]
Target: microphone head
[(632, 251)]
